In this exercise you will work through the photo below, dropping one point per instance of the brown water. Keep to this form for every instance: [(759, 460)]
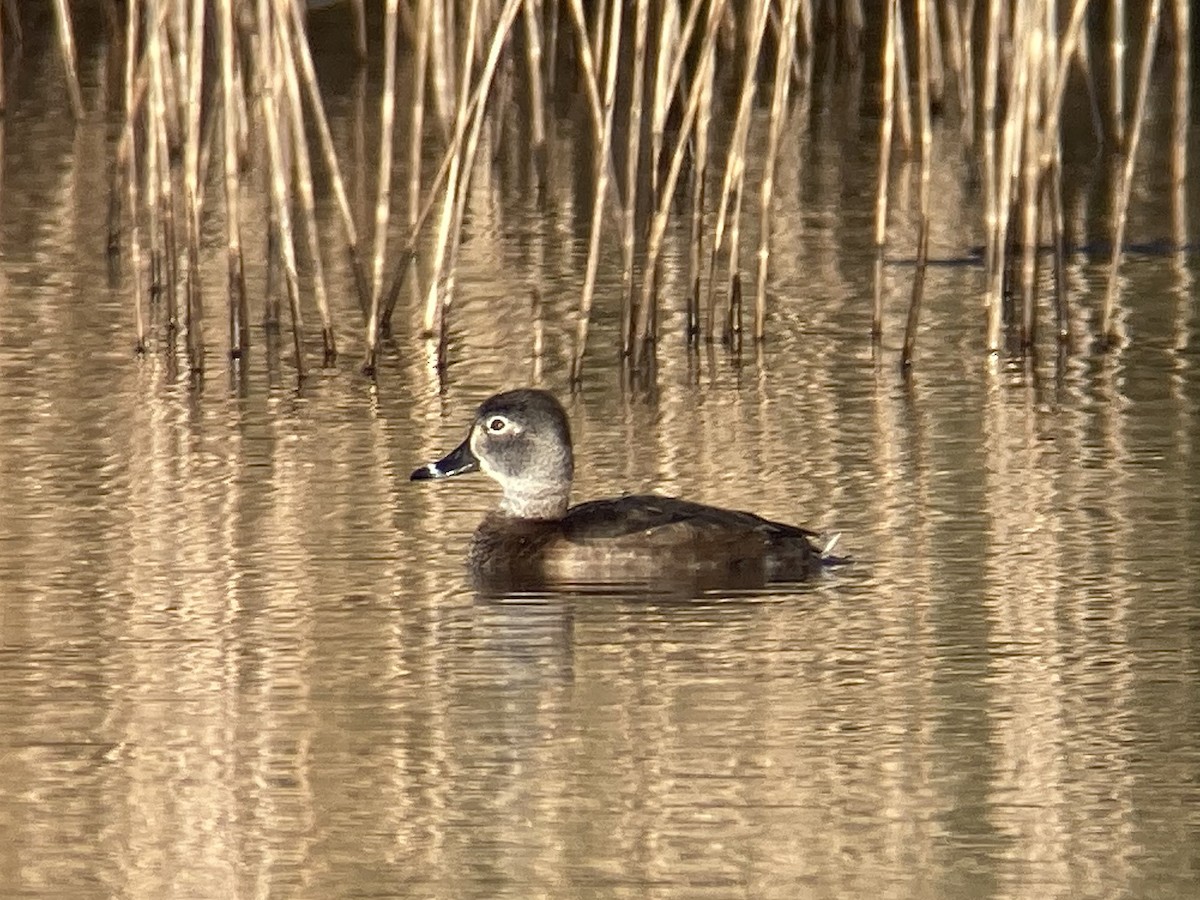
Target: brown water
[(239, 655)]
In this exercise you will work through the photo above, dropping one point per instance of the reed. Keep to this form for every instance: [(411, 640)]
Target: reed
[(779, 102), (632, 157), (269, 90), (925, 74), (308, 76), (886, 126), (1108, 332), (131, 179), (387, 112), (239, 329), (66, 39), (304, 181), (193, 61), (684, 64)]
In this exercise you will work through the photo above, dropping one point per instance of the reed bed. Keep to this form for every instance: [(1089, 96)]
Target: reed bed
[(246, 65)]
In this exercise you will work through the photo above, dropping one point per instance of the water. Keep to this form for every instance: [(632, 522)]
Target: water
[(239, 655)]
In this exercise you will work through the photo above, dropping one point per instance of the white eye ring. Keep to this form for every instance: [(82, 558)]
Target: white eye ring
[(497, 424)]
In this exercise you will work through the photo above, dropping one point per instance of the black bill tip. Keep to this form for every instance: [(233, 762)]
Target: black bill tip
[(458, 461)]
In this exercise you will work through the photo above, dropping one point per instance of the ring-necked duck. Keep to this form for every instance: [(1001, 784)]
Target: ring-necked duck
[(522, 440)]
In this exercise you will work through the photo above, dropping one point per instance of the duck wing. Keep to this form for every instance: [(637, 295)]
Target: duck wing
[(650, 515)]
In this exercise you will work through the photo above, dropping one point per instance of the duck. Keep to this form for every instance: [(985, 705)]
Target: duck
[(521, 439)]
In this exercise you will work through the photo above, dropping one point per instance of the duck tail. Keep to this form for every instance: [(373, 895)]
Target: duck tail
[(826, 542)]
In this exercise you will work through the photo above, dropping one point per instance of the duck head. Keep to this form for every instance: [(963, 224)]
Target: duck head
[(522, 441)]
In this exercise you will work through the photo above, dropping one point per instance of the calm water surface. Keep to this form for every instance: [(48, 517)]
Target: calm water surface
[(239, 655)]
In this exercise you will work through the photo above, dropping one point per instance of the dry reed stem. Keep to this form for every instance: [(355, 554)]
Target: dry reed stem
[(279, 191), (1053, 183), (602, 16), (239, 334), (552, 45), (171, 87), (776, 23), (178, 40), (266, 70), (1180, 117), (66, 41), (409, 251), (194, 60), (700, 86), (632, 161), (417, 127), (728, 213), (163, 217), (699, 183), (304, 178), (924, 118), (885, 160), (602, 187), (683, 40), (537, 94), (133, 106), (669, 45), (993, 244), (1107, 326), (387, 136), (1030, 161), (806, 25), (440, 55), (153, 206), (303, 56), (1116, 86), (434, 297), (135, 243), (779, 102), (904, 114), (937, 66), (1031, 167)]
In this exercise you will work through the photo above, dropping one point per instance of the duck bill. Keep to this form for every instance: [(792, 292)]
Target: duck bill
[(458, 461)]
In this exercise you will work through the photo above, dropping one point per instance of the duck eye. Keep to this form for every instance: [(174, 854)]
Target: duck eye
[(497, 424)]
